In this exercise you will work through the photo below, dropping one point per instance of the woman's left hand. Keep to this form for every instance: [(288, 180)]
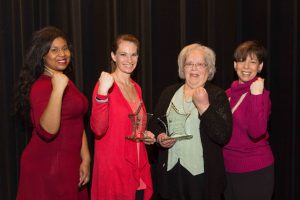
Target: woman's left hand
[(257, 87), (149, 138), (84, 173)]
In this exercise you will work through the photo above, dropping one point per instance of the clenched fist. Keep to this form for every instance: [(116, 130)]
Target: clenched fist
[(200, 99), (257, 87), (106, 80), (59, 81)]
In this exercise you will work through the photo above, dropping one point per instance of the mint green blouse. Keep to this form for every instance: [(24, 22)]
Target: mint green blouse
[(188, 152)]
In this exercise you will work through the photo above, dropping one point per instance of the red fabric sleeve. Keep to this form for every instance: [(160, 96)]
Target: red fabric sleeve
[(99, 115), (259, 111), (39, 97)]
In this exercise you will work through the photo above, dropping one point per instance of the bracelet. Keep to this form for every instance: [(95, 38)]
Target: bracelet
[(101, 100)]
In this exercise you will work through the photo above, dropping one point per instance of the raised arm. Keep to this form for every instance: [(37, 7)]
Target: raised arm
[(50, 119), (100, 104), (259, 109), (46, 101), (216, 120)]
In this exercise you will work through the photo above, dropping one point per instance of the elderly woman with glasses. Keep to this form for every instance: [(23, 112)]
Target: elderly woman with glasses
[(194, 123)]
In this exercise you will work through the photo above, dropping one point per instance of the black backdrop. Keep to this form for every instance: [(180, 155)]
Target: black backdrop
[(163, 27)]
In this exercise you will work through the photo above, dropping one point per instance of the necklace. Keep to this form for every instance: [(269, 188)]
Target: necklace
[(47, 69), (126, 89), (188, 106), (187, 102)]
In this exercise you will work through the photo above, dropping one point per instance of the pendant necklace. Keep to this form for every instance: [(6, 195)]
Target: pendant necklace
[(188, 101), (124, 90)]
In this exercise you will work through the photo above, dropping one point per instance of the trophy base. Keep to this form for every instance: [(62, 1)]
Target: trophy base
[(180, 137), (133, 137)]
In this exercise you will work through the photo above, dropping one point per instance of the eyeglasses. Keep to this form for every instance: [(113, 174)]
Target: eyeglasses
[(57, 51), (196, 65)]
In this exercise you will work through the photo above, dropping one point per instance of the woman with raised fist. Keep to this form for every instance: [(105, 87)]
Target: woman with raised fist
[(56, 162), (249, 161), (121, 168)]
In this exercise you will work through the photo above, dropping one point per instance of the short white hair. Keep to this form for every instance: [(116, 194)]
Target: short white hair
[(209, 57)]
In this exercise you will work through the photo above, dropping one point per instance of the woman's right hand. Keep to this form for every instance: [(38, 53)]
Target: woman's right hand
[(106, 80), (165, 141)]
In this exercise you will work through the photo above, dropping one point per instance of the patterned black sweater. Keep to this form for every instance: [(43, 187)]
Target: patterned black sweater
[(215, 132)]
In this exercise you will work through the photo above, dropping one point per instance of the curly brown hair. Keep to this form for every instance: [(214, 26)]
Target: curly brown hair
[(33, 67)]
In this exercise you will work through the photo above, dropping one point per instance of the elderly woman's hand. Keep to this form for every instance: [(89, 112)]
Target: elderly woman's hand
[(200, 99), (165, 141), (149, 138)]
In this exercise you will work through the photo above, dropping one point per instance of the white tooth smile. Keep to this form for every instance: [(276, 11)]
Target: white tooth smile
[(246, 73)]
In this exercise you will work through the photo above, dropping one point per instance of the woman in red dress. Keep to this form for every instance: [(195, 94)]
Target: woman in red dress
[(56, 162)]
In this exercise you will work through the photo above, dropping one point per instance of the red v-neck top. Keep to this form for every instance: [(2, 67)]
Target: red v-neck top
[(117, 170)]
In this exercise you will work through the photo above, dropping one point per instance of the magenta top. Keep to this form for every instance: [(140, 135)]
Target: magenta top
[(248, 149)]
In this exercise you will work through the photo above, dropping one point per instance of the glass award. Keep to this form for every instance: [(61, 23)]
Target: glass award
[(174, 123), (139, 121)]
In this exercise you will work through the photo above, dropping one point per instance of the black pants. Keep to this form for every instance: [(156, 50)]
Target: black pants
[(256, 185), (139, 195), (182, 185)]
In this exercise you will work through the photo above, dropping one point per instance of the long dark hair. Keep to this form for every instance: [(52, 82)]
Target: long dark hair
[(33, 67)]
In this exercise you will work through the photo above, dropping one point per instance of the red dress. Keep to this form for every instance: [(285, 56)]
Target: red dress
[(50, 163)]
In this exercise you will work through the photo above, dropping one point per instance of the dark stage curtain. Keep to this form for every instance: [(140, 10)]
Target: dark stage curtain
[(163, 27)]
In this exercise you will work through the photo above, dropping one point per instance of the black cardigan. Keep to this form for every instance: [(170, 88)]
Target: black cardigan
[(215, 131)]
